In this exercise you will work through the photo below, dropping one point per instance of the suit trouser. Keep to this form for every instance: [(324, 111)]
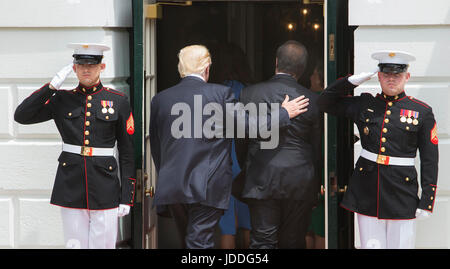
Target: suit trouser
[(386, 234), (279, 223), (94, 229), (196, 224)]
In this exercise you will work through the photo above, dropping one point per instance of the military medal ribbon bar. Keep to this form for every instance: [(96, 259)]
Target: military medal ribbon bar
[(110, 109), (104, 109), (403, 115), (408, 116)]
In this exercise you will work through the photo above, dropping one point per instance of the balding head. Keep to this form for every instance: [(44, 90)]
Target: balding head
[(292, 57)]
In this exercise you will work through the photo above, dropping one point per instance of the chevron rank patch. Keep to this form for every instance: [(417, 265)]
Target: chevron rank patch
[(130, 124), (434, 138)]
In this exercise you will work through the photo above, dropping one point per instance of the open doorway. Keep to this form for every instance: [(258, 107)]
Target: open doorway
[(256, 27)]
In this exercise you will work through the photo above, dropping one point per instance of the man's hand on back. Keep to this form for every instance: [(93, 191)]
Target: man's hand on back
[(295, 107)]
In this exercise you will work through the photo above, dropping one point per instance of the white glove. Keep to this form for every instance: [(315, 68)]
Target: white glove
[(59, 78), (362, 77), (422, 214), (123, 210)]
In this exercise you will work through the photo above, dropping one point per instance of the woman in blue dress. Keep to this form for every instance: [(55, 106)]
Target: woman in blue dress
[(231, 69)]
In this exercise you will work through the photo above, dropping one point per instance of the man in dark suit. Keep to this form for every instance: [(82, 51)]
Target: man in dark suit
[(282, 183), (194, 169)]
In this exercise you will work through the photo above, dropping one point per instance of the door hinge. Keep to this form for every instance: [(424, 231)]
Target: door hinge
[(154, 11), (331, 48), (138, 190)]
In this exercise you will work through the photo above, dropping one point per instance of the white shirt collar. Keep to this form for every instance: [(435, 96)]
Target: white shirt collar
[(196, 75)]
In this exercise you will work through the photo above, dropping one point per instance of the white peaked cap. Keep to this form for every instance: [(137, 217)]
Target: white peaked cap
[(393, 57), (88, 48)]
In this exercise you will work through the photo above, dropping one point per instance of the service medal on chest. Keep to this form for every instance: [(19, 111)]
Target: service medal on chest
[(110, 109), (104, 104), (107, 107), (416, 116)]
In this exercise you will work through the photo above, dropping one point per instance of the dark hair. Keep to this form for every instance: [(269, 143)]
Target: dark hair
[(292, 58), (319, 69), (230, 63)]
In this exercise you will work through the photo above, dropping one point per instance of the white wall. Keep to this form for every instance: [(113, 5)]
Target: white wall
[(33, 39), (422, 28)]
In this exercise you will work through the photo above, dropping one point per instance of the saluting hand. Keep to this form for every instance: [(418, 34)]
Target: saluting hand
[(59, 78), (296, 106), (362, 77)]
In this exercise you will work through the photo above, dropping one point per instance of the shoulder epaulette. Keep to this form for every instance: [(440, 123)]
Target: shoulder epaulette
[(419, 102), (114, 91)]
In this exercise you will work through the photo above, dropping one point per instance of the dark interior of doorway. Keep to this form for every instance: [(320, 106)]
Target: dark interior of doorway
[(258, 28)]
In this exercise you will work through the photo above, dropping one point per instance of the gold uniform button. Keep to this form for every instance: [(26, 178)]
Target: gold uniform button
[(386, 121), (84, 90), (89, 98), (390, 104), (89, 104), (64, 164), (70, 114), (110, 168), (388, 112), (407, 179), (433, 189), (86, 142), (87, 123), (385, 130), (383, 139), (88, 114), (430, 207), (360, 169), (95, 88), (383, 149), (431, 198), (367, 120), (86, 132), (407, 128), (107, 117)]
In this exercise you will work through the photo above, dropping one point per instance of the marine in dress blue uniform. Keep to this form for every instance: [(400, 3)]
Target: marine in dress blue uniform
[(383, 189), (90, 120)]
